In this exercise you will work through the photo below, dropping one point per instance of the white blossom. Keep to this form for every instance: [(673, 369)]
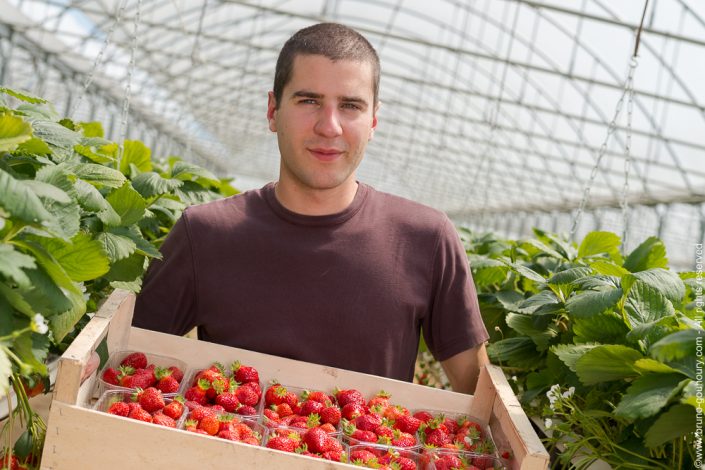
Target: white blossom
[(39, 324), (548, 423), (569, 393)]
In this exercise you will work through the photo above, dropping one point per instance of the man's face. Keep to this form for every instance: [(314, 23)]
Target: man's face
[(324, 121)]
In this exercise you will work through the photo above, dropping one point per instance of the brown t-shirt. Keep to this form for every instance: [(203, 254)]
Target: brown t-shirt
[(349, 290)]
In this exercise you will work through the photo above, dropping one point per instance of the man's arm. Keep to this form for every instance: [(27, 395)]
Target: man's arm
[(463, 368)]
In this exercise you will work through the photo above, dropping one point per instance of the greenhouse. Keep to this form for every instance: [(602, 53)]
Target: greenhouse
[(563, 141)]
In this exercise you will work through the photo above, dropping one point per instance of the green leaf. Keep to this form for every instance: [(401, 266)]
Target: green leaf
[(588, 304), (540, 329), (5, 372), (649, 394), (570, 353), (13, 263), (14, 299), (128, 204), (187, 172), (132, 286), (651, 253), (135, 153), (605, 327), (108, 216), (92, 129), (509, 299), (34, 146), (50, 265), (143, 246), (55, 134), (675, 346), (517, 352), (23, 347), (13, 131), (569, 275), (117, 246), (539, 301), (22, 95), (21, 202), (644, 304), (83, 259), (67, 216), (525, 271), (48, 191), (677, 421), (650, 365), (666, 282), (42, 296), (192, 193), (128, 269), (90, 198), (608, 268), (98, 175), (607, 362), (541, 249), (601, 243), (97, 150), (150, 184), (63, 323)]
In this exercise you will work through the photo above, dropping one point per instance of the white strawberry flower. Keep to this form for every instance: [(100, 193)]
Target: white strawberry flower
[(39, 324)]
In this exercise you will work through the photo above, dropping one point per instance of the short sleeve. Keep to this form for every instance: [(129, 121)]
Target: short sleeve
[(168, 302), (454, 323)]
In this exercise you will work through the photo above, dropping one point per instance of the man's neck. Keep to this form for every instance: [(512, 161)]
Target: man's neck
[(316, 201)]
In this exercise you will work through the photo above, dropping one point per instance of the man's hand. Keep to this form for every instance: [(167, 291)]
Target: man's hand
[(464, 368), (91, 366)]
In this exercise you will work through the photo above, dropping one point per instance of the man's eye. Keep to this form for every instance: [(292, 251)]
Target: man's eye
[(308, 101), (351, 106)]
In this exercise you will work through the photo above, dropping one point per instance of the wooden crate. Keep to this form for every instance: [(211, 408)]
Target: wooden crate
[(78, 437)]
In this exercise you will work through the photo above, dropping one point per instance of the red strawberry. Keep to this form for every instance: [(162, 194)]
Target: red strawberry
[(245, 374), (384, 431), (484, 461), (228, 401), (197, 392), (310, 407), (111, 376), (381, 399), (361, 456), (405, 463), (168, 384), (150, 399), (140, 414), (448, 462), (285, 443), (119, 408), (255, 387), (174, 409), (271, 414), (177, 373), (163, 420), (247, 396), (349, 396), (394, 412), (210, 424), (437, 437), (408, 424), (368, 422), (327, 427), (403, 439), (201, 412), (316, 440), (364, 436), (246, 410), (136, 360), (331, 415), (283, 409), (423, 416), (451, 425), (316, 396), (333, 455), (352, 411)]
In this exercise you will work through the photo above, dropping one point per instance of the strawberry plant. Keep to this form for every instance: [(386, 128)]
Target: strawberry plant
[(617, 330), (79, 216)]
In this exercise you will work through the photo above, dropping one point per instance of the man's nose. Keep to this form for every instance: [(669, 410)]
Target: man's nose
[(328, 123)]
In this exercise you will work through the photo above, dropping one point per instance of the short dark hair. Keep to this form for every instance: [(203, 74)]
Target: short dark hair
[(332, 40)]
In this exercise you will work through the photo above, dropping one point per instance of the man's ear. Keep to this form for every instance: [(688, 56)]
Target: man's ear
[(272, 111), (374, 121)]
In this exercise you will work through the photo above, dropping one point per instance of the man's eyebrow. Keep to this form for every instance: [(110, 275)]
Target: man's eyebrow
[(306, 94)]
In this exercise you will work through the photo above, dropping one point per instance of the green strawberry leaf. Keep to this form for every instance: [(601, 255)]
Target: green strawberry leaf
[(22, 95), (588, 304), (677, 345), (677, 421), (150, 184), (97, 175), (21, 202), (648, 394), (13, 263), (135, 153), (605, 363), (601, 243), (651, 253), (13, 131), (570, 353), (83, 259), (116, 246), (128, 204)]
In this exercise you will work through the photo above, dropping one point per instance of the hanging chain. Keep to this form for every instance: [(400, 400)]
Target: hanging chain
[(99, 58), (627, 152), (122, 132), (629, 93)]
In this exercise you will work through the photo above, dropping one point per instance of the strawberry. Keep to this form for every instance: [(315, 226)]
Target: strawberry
[(285, 443), (228, 401), (423, 416), (362, 456), (119, 408), (349, 396), (283, 409), (331, 415), (448, 462), (140, 414), (244, 374), (318, 396), (351, 411), (408, 424), (405, 463), (10, 463), (382, 398), (437, 437), (327, 427), (364, 436), (168, 384), (334, 455), (246, 410), (483, 461), (150, 399), (175, 409), (210, 424), (368, 422), (197, 392), (403, 439), (111, 376), (271, 414), (201, 412), (394, 412), (140, 378), (218, 385), (316, 440), (506, 455), (384, 431), (247, 396), (277, 394), (255, 387), (451, 425), (163, 420), (177, 373), (310, 407), (136, 360)]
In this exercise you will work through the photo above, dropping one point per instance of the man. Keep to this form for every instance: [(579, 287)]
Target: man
[(317, 266)]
